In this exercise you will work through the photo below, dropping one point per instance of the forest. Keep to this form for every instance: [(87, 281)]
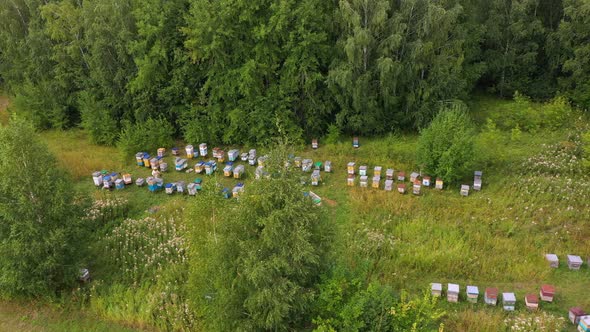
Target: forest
[(440, 90), (237, 71)]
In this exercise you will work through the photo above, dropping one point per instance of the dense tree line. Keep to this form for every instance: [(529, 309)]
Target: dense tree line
[(236, 71)]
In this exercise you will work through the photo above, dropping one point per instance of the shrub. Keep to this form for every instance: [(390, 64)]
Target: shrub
[(333, 135), (145, 136), (446, 147), (97, 120)]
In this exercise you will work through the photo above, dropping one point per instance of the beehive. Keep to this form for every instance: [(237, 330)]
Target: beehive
[(297, 161), (259, 173), (119, 184), (161, 152), (180, 164), (252, 153), (364, 181), (317, 200), (238, 171), (314, 143), (377, 171), (220, 156), (439, 184), (416, 187), (106, 182), (389, 174), (575, 313), (388, 185), (426, 181), (154, 163), (203, 149), (237, 190), (215, 153), (191, 189), (199, 167), (464, 190), (350, 168), (376, 182), (553, 260), (163, 166), (350, 180), (508, 301), (190, 151), (226, 193), (453, 293), (363, 170), (477, 180), (472, 294), (146, 160), (97, 178), (574, 262), (228, 171), (436, 289), (401, 176), (233, 155), (139, 158), (355, 142), (180, 187), (401, 188), (531, 301), (491, 296), (328, 166), (210, 167), (175, 151), (244, 156), (414, 176), (127, 178), (306, 165), (315, 178), (547, 293), (584, 324), (140, 182), (318, 165), (170, 188)]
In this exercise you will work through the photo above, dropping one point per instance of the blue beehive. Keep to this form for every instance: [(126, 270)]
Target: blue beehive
[(106, 182), (175, 151), (139, 158), (119, 184), (146, 159), (226, 193), (170, 188)]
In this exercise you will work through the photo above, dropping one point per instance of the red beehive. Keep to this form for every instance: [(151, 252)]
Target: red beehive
[(547, 293), (575, 314), (401, 188), (532, 301), (491, 296)]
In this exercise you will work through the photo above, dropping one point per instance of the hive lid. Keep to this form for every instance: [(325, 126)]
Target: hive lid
[(436, 286), (551, 257), (509, 297), (577, 311), (472, 290), (532, 298), (492, 293), (548, 289), (453, 288), (574, 259), (478, 173)]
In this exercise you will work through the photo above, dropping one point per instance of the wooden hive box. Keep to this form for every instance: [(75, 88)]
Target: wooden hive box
[(401, 188), (464, 190), (259, 173), (228, 171), (140, 182), (127, 178), (156, 174), (531, 301), (97, 178), (244, 156), (208, 168), (453, 293), (180, 186), (350, 180), (174, 151), (472, 294), (318, 165), (547, 293), (161, 152), (170, 188), (107, 182), (139, 158), (191, 189), (377, 171), (584, 324), (238, 171), (376, 182), (574, 262), (426, 181), (146, 160), (350, 168), (220, 156), (233, 155), (315, 177), (388, 185), (477, 180), (553, 260), (163, 166), (226, 193), (491, 296), (315, 198), (190, 151), (355, 142), (363, 170), (297, 161), (215, 152), (575, 313), (401, 176), (155, 163), (416, 187), (119, 184), (203, 149), (508, 301), (306, 165), (439, 184), (180, 164), (328, 166), (364, 181), (389, 173), (314, 143), (414, 176), (199, 167), (436, 289)]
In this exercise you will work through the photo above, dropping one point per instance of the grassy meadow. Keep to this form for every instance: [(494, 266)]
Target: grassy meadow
[(534, 201)]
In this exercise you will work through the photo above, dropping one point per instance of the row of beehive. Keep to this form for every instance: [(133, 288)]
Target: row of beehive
[(574, 262), (547, 293), (144, 158)]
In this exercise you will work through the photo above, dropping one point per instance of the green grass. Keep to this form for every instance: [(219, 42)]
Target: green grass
[(496, 237)]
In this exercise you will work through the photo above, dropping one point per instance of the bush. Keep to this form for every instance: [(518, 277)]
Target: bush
[(333, 135), (145, 136), (446, 147), (97, 120)]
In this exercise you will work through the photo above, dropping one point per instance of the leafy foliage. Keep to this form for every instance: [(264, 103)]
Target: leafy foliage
[(41, 234), (145, 136), (446, 147)]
